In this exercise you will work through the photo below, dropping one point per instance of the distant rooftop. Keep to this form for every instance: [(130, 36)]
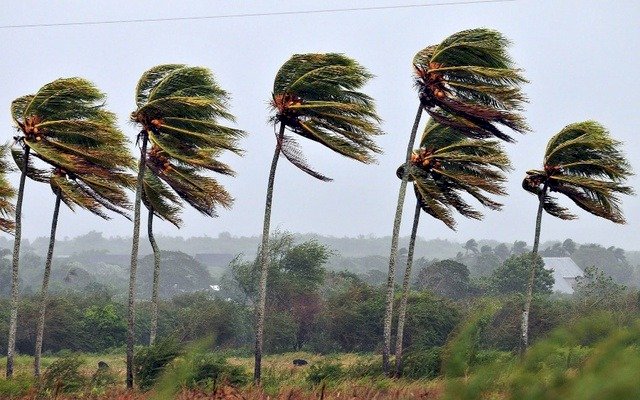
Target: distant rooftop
[(565, 272)]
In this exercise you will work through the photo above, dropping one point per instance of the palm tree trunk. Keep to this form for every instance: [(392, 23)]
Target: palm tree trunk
[(524, 338), (45, 287), (13, 319), (388, 313), (156, 280), (264, 261), (402, 311), (134, 261)]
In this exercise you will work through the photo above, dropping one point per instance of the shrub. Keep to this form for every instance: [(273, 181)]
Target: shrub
[(422, 363), (149, 362), (15, 388), (213, 369), (63, 376), (324, 372)]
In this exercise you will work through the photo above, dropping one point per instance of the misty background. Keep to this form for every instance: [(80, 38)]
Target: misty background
[(580, 57)]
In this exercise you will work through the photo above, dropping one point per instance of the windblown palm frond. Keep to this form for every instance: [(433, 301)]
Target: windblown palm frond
[(7, 193), (178, 107), (585, 164), (449, 166), (316, 96), (66, 126), (160, 198), (470, 83)]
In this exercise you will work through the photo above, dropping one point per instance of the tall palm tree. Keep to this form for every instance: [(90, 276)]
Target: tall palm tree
[(178, 108), (467, 82), (96, 183), (180, 179), (7, 193), (584, 163), (59, 125), (317, 97), (446, 167)]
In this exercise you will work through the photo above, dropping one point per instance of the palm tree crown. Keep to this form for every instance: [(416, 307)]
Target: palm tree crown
[(178, 107), (585, 164), (65, 125), (469, 82), (7, 192), (448, 165), (316, 96)]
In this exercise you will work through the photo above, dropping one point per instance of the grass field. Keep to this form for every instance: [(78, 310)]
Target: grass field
[(281, 380)]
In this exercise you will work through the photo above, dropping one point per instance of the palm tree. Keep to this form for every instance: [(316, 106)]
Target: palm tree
[(177, 109), (63, 125), (467, 82), (315, 96), (7, 193), (585, 164), (445, 167)]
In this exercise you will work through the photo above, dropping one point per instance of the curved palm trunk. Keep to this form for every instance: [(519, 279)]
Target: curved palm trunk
[(13, 319), (402, 310), (156, 280), (45, 288), (134, 262), (524, 335), (388, 313), (264, 261)]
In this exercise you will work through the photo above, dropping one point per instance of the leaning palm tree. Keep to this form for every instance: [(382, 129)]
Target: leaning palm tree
[(315, 96), (467, 82), (96, 184), (584, 163), (7, 193), (60, 125), (178, 108), (170, 179), (446, 167)]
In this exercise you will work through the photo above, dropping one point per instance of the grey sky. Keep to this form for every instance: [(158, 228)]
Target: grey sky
[(580, 56)]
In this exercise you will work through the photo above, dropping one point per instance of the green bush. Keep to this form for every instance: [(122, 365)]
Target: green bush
[(365, 369), (15, 388), (422, 363), (149, 362), (324, 372), (213, 369), (63, 376)]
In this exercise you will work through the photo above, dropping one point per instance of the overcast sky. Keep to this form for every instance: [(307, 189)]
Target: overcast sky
[(581, 57)]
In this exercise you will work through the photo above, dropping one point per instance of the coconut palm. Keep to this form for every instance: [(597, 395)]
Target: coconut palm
[(446, 167), (7, 193), (178, 108), (65, 126), (467, 82), (315, 96), (584, 163)]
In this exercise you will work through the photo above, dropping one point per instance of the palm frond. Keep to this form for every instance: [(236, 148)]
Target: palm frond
[(449, 167), (180, 107), (66, 126), (7, 193), (469, 81), (587, 165), (317, 96)]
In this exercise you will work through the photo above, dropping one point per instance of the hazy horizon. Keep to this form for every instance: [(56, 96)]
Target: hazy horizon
[(580, 57)]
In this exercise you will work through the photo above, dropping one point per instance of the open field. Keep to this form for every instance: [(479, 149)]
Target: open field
[(281, 380)]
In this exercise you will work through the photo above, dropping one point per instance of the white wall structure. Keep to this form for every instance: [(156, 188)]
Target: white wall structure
[(565, 272)]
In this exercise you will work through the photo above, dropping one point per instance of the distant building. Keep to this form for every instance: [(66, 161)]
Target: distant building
[(565, 273)]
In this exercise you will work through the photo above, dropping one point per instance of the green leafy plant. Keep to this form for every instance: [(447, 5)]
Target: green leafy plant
[(151, 361)]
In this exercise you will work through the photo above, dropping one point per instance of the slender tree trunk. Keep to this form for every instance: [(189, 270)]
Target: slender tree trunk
[(524, 338), (45, 287), (388, 312), (264, 261), (402, 310), (13, 319), (156, 280), (134, 261)]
